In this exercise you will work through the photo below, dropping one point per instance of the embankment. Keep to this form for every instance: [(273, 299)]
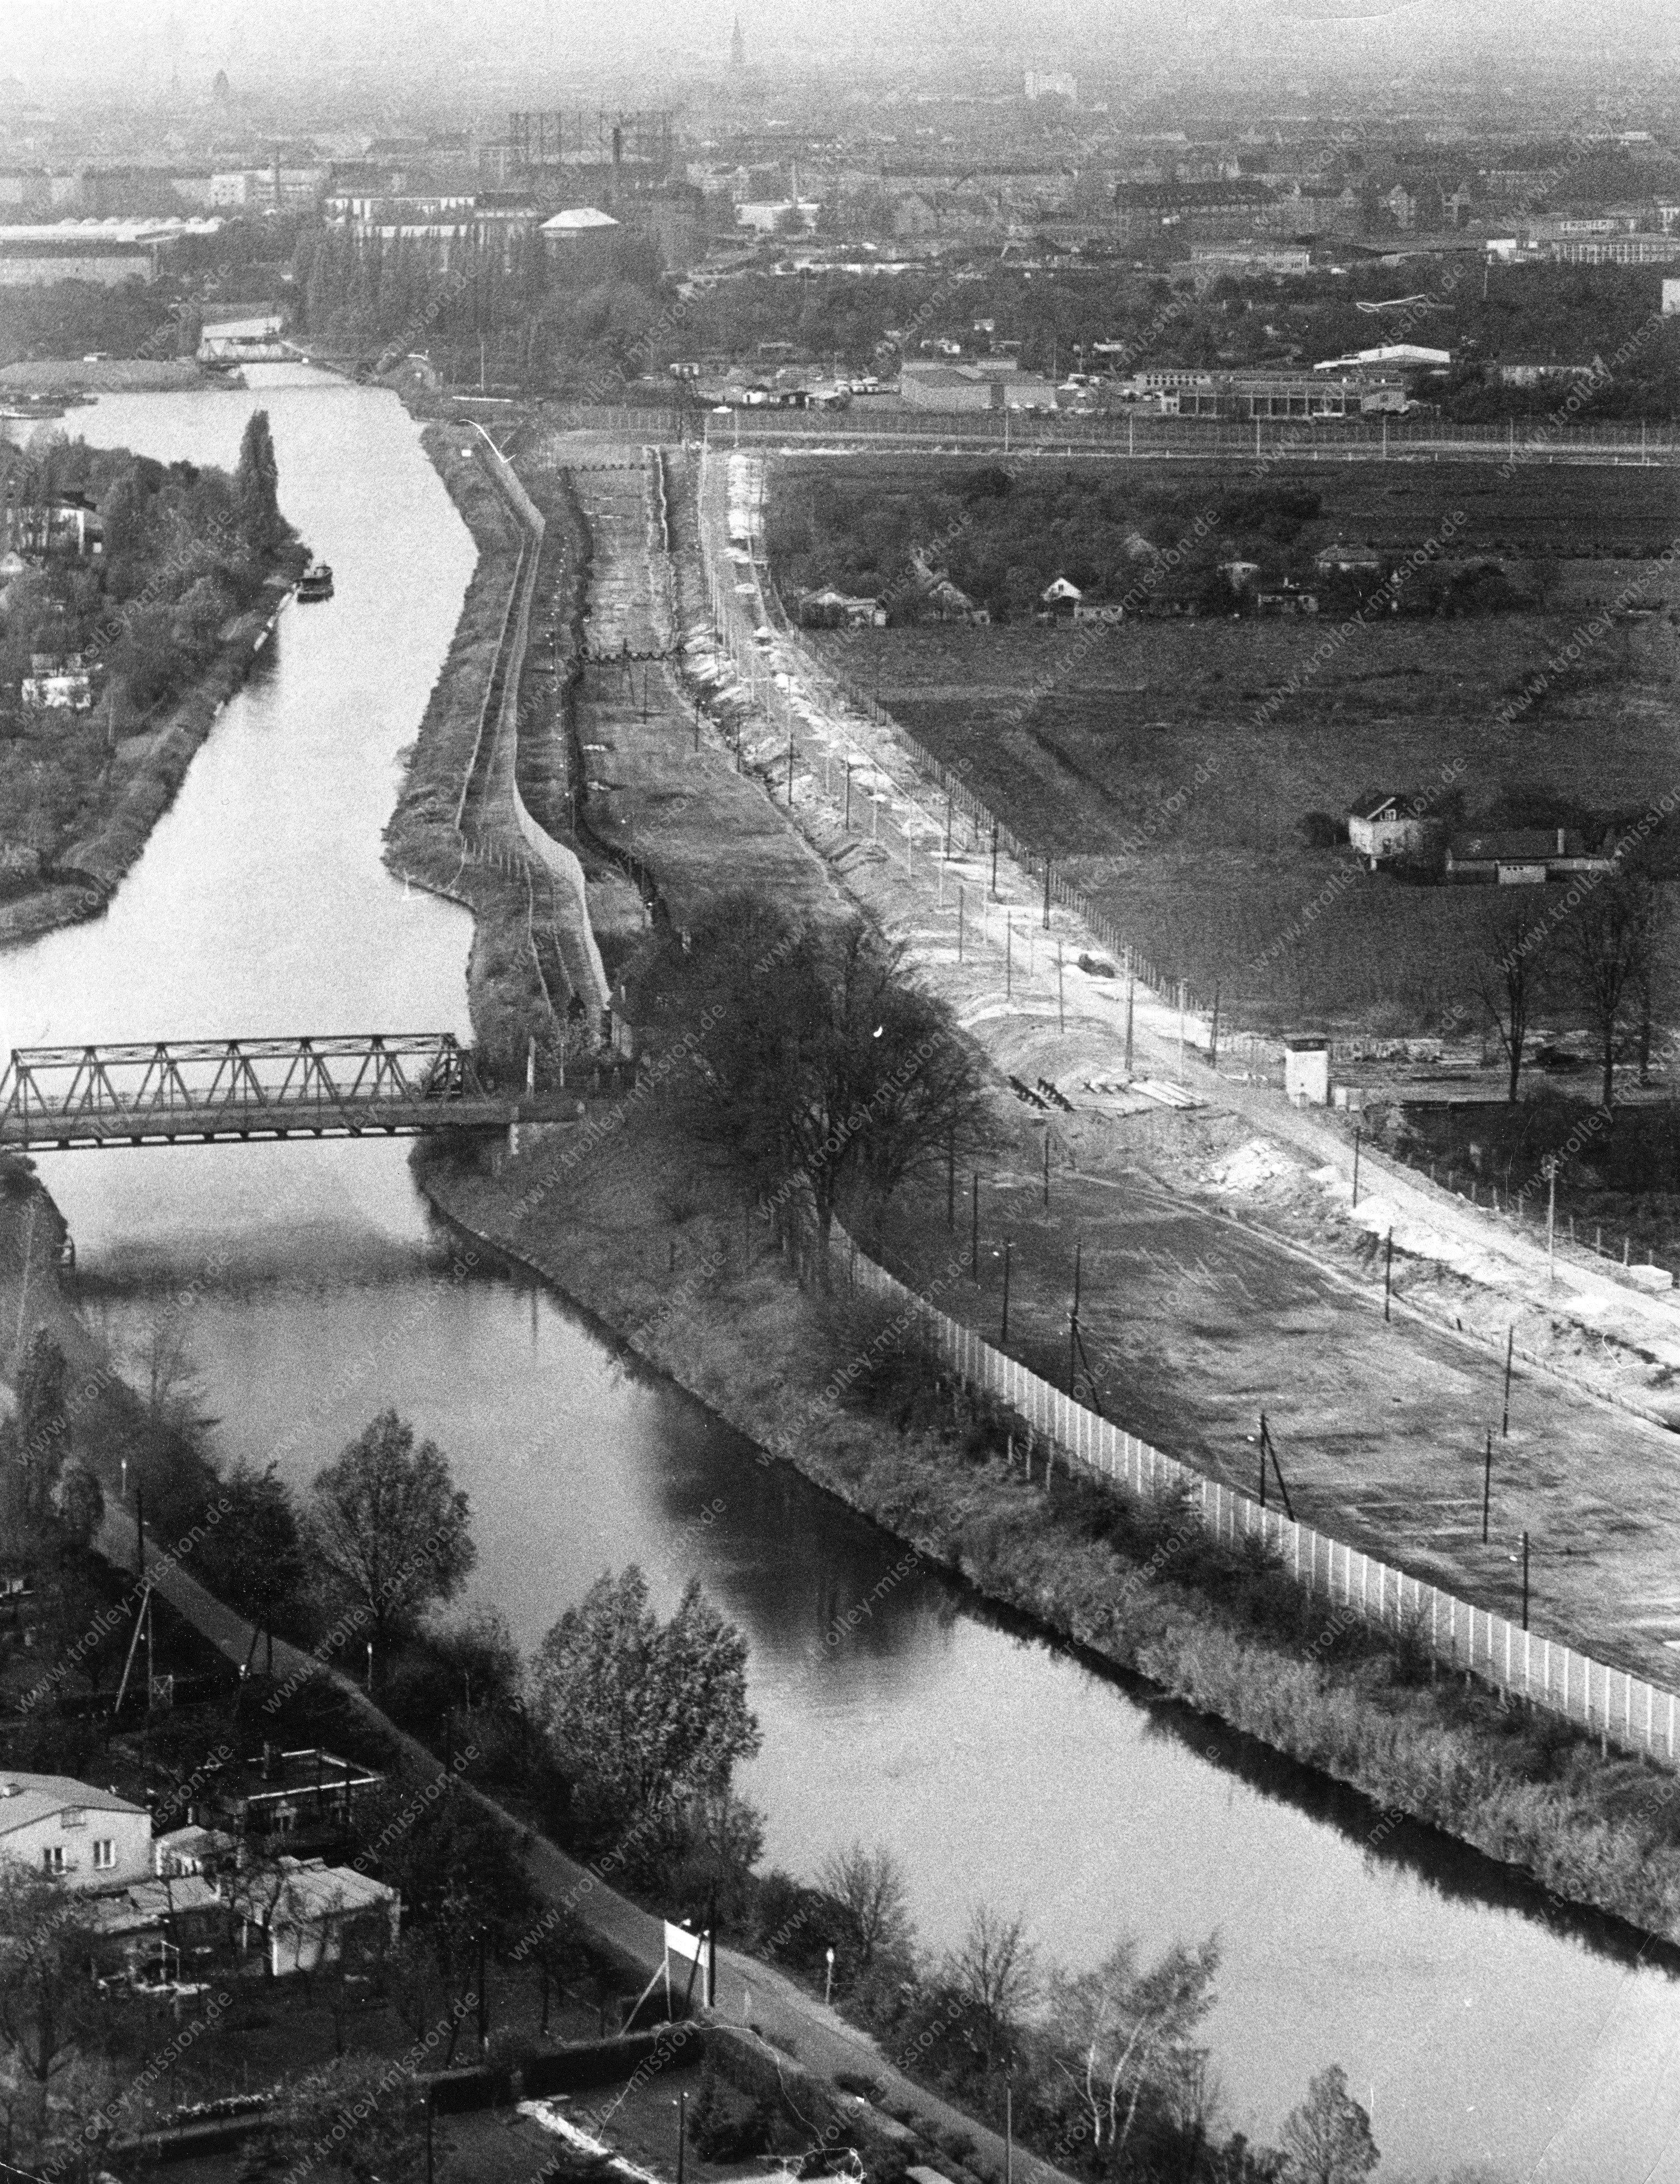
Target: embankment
[(84, 879), (1137, 1589), (423, 842)]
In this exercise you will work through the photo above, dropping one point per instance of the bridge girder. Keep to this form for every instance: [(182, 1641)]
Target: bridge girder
[(130, 1093)]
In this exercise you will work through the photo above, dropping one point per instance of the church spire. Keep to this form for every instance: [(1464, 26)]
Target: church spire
[(737, 46)]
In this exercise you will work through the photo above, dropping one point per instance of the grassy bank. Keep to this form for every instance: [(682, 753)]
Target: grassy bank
[(422, 842), (1139, 1587), (134, 795)]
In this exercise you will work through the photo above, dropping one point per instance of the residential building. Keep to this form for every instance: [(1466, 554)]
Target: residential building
[(1287, 598), (303, 1912), (1344, 561), (1387, 829), (1521, 857), (287, 1793), (71, 526), (1059, 599), (828, 609), (56, 683), (71, 1831), (156, 1931)]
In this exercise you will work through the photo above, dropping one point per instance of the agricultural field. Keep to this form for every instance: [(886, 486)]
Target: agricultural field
[(1174, 767)]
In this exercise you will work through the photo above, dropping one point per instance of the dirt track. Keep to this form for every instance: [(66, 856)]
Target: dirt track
[(1202, 1302)]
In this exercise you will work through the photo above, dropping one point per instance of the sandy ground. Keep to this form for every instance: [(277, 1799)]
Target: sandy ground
[(1225, 1270)]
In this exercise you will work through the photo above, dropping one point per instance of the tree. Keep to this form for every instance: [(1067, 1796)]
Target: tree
[(43, 1419), (1611, 945), (646, 1717), (828, 1070), (1328, 2139), (389, 1523), (255, 1556), (46, 2000), (869, 1889), (1123, 2033), (1508, 980), (79, 1505), (257, 486), (995, 1971)]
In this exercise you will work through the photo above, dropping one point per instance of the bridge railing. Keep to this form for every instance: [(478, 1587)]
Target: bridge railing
[(132, 1087)]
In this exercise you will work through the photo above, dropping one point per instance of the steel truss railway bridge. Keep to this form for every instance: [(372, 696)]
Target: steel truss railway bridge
[(215, 1091)]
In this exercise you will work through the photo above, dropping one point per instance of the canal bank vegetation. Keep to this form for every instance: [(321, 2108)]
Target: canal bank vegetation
[(423, 839), (652, 1219), (133, 596)]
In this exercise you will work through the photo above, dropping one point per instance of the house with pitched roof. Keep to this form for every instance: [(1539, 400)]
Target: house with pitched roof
[(67, 1830)]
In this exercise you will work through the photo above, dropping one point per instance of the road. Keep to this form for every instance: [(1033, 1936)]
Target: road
[(787, 2019)]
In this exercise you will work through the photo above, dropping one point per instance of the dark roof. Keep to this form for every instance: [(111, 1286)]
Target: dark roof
[(1515, 845)]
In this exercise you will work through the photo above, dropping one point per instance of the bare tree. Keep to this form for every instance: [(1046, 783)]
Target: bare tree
[(1121, 2033), (1509, 979), (869, 1886), (996, 1972), (1611, 945)]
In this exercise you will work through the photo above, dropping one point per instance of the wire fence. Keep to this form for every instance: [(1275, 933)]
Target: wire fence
[(1610, 1703)]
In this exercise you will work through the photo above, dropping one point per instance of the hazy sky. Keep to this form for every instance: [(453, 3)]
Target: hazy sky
[(451, 48)]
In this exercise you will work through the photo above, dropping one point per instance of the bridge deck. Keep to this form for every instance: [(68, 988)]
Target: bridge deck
[(233, 1091), (44, 1131)]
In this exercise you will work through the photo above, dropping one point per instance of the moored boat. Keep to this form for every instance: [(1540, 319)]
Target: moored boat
[(315, 582)]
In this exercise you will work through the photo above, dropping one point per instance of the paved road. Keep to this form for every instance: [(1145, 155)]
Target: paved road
[(749, 1993)]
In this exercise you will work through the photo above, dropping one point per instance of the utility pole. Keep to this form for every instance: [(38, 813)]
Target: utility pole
[(682, 2131), (1510, 1346), (1061, 1011), (974, 1230), (1073, 1317), (1356, 1146), (959, 920), (1551, 1218), (1131, 997), (1487, 1484), (1047, 895), (790, 769), (951, 1179), (1004, 1336), (1525, 1580), (1387, 1274), (1213, 1035), (994, 860), (1009, 957), (1047, 1168)]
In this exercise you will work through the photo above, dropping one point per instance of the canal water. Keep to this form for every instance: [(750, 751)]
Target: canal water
[(894, 1706)]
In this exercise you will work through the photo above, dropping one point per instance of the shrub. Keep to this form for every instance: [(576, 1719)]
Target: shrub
[(723, 2126)]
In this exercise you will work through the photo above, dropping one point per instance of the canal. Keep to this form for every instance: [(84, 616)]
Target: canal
[(894, 1706)]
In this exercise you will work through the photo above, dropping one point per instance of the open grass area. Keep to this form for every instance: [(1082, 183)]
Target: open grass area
[(1169, 766)]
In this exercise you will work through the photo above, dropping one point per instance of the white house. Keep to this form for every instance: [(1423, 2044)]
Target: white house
[(1386, 828), (69, 1831), (1060, 596), (302, 1921)]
